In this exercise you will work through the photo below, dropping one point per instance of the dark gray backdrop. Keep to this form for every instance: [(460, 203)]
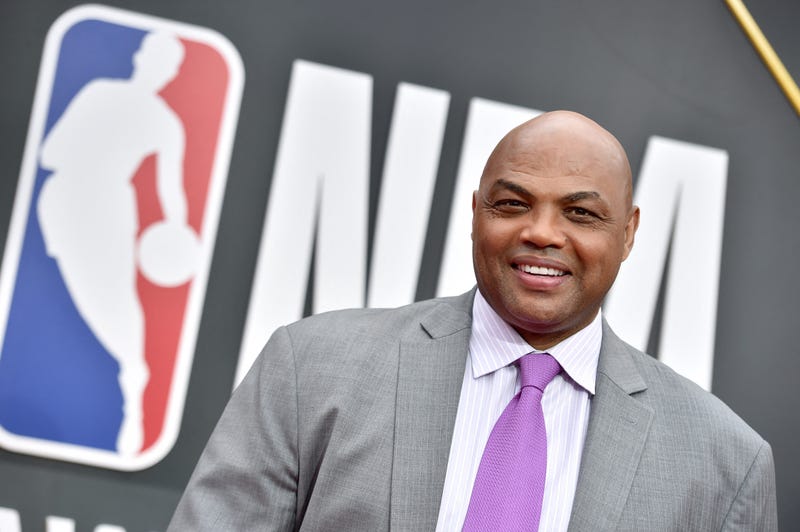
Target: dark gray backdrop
[(682, 69)]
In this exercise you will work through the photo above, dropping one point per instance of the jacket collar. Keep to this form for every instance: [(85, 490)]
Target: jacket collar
[(430, 372), (618, 427)]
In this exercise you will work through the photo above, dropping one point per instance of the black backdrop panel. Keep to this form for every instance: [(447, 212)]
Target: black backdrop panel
[(680, 69)]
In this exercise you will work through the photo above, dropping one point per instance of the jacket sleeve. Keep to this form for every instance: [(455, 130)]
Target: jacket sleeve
[(754, 507), (246, 478)]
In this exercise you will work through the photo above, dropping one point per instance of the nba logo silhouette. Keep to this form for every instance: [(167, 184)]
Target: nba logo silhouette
[(106, 262)]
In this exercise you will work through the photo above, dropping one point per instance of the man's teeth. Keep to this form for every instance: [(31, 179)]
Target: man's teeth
[(539, 270)]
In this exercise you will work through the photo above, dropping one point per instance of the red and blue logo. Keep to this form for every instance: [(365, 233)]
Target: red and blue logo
[(107, 257)]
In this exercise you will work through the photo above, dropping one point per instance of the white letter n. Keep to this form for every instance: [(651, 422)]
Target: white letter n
[(320, 183), (681, 192)]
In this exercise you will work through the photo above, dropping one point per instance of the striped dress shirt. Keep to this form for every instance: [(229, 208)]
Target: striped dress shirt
[(490, 382)]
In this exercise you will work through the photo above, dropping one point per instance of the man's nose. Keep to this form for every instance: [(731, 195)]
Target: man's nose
[(544, 228)]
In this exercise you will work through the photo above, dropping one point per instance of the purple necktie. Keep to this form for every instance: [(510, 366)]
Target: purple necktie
[(508, 489)]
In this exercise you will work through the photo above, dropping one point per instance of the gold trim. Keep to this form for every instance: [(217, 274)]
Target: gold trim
[(766, 52)]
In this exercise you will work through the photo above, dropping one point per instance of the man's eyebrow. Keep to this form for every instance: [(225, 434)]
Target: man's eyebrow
[(522, 191), (513, 187), (582, 195)]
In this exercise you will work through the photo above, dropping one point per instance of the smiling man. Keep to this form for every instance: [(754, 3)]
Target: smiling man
[(511, 407), (552, 221)]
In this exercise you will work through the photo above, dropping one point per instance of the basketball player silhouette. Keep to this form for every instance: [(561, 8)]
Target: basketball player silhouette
[(88, 212)]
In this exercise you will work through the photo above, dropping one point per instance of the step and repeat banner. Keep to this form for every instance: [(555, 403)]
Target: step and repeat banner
[(177, 179)]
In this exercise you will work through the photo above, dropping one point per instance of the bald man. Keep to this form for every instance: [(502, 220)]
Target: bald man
[(379, 419)]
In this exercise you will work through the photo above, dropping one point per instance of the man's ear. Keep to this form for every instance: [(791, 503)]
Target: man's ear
[(474, 204), (630, 231)]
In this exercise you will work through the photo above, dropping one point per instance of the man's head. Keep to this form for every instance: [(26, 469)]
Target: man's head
[(552, 222), (158, 60)]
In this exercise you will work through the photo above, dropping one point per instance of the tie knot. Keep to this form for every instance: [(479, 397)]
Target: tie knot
[(538, 369)]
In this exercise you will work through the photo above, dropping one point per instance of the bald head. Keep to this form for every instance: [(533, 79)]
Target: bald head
[(552, 221), (565, 140)]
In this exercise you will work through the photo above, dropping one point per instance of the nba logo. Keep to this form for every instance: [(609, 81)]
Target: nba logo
[(106, 262)]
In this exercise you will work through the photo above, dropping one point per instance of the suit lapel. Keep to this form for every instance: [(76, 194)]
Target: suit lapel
[(430, 373), (615, 438)]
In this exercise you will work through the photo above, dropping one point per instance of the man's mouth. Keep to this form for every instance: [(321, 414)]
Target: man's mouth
[(540, 270)]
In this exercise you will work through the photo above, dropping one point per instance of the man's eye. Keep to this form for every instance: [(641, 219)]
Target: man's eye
[(510, 205), (580, 212)]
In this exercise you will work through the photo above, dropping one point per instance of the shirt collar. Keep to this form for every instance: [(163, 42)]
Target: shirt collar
[(494, 344)]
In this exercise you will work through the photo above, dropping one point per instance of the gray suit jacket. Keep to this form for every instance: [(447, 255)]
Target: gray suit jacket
[(345, 422)]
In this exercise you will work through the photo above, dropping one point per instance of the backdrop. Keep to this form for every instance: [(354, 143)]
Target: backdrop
[(312, 134)]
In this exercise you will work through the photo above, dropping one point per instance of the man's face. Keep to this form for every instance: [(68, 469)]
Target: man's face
[(551, 224)]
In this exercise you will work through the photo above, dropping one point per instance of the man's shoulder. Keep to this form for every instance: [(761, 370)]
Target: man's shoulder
[(329, 343), (422, 317), (678, 402)]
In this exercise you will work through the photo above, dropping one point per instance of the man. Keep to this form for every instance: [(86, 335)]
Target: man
[(379, 419)]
